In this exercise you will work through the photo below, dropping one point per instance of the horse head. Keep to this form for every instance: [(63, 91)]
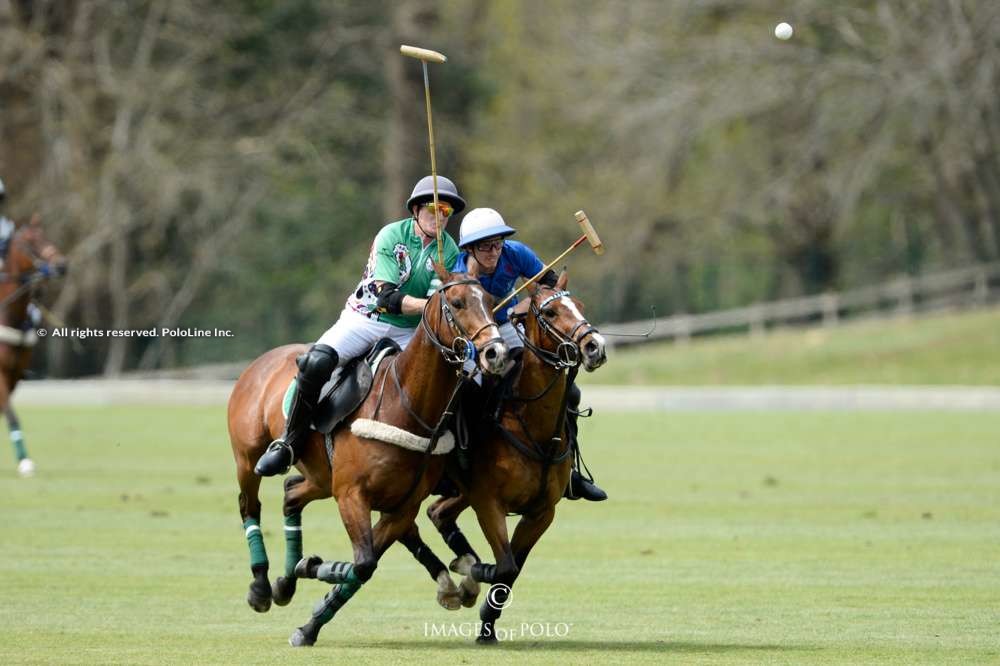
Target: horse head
[(568, 334), (463, 326), (31, 255)]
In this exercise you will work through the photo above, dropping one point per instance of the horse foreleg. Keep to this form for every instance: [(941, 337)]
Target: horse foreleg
[(444, 514), (448, 594), (259, 594), (500, 576), (356, 515), (526, 534), (298, 493), (25, 466)]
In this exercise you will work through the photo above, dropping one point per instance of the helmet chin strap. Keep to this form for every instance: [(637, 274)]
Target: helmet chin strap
[(423, 232)]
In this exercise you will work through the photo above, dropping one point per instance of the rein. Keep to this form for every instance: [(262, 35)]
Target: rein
[(565, 358), (461, 350), (462, 347), (558, 361)]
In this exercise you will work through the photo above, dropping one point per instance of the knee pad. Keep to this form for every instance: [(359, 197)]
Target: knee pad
[(317, 364)]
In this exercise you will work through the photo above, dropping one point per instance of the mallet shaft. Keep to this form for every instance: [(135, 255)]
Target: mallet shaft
[(434, 176), (545, 269)]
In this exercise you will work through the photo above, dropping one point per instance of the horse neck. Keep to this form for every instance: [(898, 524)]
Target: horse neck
[(14, 312), (425, 377), (537, 375)]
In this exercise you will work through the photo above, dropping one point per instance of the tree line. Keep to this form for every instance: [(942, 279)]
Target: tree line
[(226, 165)]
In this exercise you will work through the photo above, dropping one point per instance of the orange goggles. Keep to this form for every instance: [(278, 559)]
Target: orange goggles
[(445, 208)]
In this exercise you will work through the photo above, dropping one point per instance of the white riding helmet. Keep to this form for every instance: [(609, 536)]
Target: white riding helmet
[(480, 223)]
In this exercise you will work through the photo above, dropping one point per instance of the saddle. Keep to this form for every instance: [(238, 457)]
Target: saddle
[(346, 389)]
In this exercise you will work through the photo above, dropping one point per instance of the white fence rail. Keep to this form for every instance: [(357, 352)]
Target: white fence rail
[(975, 286)]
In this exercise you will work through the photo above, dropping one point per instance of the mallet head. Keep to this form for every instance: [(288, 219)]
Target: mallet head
[(588, 231), (422, 54)]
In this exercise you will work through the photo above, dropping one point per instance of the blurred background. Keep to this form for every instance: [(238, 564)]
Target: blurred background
[(227, 164)]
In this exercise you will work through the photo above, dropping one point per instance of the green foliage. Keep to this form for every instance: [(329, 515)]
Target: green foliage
[(720, 165)]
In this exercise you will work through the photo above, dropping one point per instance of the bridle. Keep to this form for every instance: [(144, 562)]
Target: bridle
[(566, 357), (462, 349), (567, 353), (463, 346)]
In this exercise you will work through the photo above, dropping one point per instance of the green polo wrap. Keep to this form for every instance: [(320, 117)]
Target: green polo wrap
[(293, 542), (255, 541)]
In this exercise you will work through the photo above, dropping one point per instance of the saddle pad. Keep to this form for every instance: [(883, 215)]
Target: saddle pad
[(407, 440), (345, 390)]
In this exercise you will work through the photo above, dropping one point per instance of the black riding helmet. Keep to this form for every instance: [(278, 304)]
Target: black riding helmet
[(423, 192)]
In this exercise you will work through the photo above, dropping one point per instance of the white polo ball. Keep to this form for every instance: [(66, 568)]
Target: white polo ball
[(783, 31)]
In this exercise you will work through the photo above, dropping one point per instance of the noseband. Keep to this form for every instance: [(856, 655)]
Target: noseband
[(462, 346)]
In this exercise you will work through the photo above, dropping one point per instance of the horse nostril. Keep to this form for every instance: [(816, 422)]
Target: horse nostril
[(590, 348), (490, 354)]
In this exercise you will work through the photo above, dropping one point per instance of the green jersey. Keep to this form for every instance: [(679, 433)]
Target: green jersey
[(399, 256)]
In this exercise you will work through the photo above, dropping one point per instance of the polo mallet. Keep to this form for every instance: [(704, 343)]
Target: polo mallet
[(425, 55), (588, 235)]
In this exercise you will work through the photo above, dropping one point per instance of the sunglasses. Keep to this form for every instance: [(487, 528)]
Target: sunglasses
[(490, 246), (446, 209)]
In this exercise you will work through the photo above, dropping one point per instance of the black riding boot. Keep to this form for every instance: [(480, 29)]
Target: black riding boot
[(315, 368), (579, 485)]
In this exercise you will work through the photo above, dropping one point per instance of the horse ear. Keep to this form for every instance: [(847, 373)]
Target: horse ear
[(473, 267), (442, 272), (563, 279)]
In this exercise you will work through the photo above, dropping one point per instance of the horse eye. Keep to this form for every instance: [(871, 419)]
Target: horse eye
[(458, 303), (549, 312)]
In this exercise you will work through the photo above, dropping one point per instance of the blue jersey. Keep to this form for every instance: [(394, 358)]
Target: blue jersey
[(516, 260)]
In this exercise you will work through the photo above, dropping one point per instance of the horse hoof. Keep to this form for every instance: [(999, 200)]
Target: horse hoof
[(283, 589), (257, 602), (447, 595), (26, 467), (462, 565), (259, 593), (468, 592), (307, 566), (450, 600), (299, 639), (485, 639)]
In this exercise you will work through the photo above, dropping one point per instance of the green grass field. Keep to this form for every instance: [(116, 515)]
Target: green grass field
[(952, 348), (730, 538)]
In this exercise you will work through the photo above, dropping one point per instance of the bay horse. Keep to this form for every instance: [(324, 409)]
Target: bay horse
[(367, 474), (521, 465), (29, 259)]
